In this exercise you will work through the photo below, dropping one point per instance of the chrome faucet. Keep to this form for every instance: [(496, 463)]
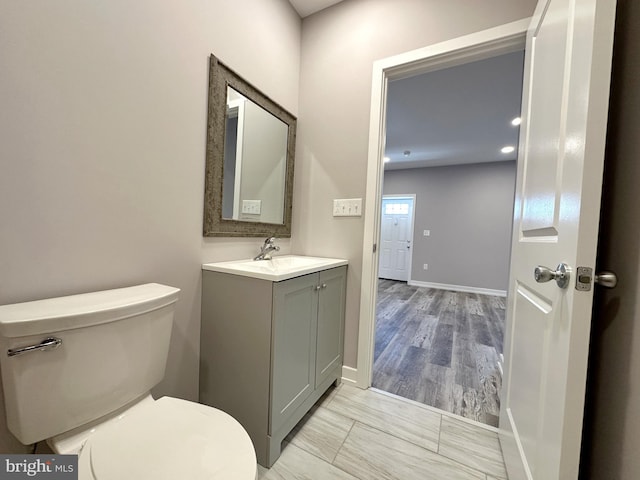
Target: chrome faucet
[(267, 247)]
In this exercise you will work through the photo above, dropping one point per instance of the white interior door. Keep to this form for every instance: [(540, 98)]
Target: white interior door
[(396, 235), (565, 103)]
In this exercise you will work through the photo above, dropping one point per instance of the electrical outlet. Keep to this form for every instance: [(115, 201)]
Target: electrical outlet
[(425, 266), (427, 233)]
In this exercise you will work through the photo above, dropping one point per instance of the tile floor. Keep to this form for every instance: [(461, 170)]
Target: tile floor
[(355, 434)]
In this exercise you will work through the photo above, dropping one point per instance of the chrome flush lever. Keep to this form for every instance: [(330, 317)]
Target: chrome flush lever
[(47, 344)]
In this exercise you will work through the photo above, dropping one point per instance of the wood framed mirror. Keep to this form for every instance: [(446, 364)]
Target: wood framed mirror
[(249, 160)]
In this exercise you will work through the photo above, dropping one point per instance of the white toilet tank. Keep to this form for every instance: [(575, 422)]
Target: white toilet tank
[(113, 349)]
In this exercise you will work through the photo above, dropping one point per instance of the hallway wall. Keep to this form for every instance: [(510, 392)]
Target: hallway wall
[(468, 210), (339, 46)]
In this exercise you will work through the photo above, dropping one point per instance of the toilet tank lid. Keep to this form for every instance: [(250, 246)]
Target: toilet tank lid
[(74, 311)]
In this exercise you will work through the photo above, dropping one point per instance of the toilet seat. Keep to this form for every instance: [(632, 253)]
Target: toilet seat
[(169, 439)]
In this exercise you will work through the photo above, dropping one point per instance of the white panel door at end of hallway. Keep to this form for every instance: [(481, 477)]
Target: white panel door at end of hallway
[(396, 235), (556, 214)]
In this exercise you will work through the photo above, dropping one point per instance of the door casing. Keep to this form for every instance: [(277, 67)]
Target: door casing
[(495, 41)]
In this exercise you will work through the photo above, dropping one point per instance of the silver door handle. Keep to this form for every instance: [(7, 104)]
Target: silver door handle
[(561, 275), (606, 279), (46, 344)]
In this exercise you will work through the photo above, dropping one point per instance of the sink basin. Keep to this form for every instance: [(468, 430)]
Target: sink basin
[(278, 268)]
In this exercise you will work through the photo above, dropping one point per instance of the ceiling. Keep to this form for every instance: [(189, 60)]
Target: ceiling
[(307, 7), (452, 116), (456, 115)]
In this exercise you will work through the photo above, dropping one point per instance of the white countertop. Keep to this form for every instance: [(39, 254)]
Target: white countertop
[(278, 268)]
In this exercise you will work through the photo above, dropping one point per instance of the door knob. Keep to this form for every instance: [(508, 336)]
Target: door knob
[(606, 279), (585, 276), (560, 275)]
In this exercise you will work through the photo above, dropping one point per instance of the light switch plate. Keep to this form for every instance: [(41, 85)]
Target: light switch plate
[(252, 207), (347, 207)]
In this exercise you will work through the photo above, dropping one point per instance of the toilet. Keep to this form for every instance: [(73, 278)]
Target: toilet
[(77, 371)]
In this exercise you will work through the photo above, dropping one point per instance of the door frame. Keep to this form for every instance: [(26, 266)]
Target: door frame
[(412, 197), (488, 43), (237, 108)]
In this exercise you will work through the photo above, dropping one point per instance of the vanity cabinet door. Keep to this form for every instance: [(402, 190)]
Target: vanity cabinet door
[(295, 306), (330, 322)]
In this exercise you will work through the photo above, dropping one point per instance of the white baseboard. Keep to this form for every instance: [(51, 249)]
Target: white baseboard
[(349, 375), (458, 288)]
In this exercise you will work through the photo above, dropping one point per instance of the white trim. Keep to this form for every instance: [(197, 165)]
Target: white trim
[(458, 288), (238, 105), (516, 437), (349, 375), (483, 44)]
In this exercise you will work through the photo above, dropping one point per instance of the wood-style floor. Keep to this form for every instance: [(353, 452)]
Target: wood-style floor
[(440, 348)]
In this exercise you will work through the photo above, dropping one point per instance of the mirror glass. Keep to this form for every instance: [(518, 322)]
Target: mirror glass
[(250, 159), (255, 154)]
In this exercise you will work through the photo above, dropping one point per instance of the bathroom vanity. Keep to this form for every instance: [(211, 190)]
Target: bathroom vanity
[(271, 341)]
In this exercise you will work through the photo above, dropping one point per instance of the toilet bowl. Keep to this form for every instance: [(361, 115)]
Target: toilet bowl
[(77, 372)]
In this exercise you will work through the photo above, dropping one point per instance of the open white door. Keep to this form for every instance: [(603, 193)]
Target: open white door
[(565, 104)]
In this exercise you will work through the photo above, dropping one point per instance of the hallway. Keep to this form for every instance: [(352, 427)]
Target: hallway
[(440, 348)]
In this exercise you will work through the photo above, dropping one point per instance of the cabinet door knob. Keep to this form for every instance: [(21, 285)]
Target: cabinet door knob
[(324, 285), (318, 287)]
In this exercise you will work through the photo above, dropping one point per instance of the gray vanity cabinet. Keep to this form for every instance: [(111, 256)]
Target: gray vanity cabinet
[(330, 329), (269, 350), (295, 308)]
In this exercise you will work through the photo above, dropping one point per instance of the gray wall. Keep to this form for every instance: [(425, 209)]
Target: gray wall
[(103, 134), (469, 212), (264, 151), (102, 146), (612, 446), (339, 45)]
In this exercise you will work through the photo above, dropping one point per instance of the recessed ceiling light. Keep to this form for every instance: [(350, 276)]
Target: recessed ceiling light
[(507, 149), (386, 159), (516, 121)]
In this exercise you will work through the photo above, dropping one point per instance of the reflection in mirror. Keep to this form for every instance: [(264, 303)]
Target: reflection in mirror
[(255, 153), (250, 158)]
